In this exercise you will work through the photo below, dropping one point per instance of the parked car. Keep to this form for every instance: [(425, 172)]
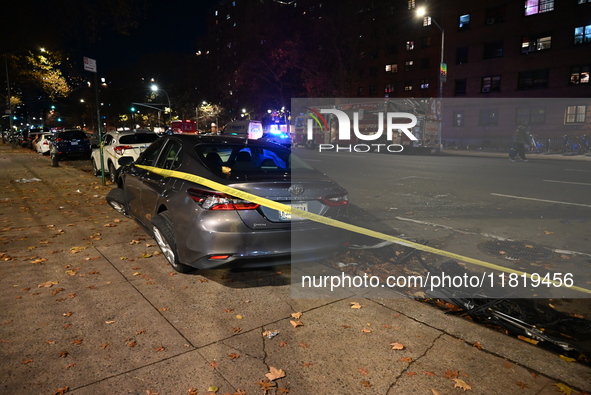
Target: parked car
[(70, 142), (34, 134), (197, 227), (43, 142), (119, 144)]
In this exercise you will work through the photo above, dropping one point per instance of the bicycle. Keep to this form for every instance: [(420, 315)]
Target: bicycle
[(570, 144)]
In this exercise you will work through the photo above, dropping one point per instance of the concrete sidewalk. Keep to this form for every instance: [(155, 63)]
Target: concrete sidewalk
[(89, 306)]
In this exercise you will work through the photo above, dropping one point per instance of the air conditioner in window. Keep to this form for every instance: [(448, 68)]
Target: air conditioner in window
[(486, 89), (490, 21)]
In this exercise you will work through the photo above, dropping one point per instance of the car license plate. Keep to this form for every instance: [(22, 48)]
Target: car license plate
[(74, 143), (288, 217)]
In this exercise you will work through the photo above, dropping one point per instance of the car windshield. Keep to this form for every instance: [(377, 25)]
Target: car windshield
[(72, 135), (238, 159), (138, 138)]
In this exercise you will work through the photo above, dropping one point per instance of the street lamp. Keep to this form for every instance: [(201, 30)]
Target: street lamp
[(156, 89), (442, 69)]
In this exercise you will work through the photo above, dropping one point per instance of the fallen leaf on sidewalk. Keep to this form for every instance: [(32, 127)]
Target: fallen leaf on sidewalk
[(233, 356), (477, 345), (297, 315), (47, 284), (563, 388), (296, 323), (27, 361), (355, 305), (275, 373), (461, 384), (160, 349), (61, 391), (451, 374), (522, 385), (435, 392), (365, 330), (366, 383), (397, 346), (527, 339), (70, 365), (266, 385), (567, 359)]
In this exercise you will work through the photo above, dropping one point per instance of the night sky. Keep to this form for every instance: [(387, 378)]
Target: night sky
[(172, 26)]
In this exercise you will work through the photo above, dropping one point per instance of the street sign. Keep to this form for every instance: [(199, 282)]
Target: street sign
[(90, 65)]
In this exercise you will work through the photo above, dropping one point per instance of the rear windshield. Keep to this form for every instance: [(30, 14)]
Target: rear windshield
[(239, 159), (72, 135), (138, 138)]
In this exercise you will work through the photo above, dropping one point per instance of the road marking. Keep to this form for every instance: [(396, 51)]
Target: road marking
[(586, 171), (541, 200), (334, 223), (568, 182)]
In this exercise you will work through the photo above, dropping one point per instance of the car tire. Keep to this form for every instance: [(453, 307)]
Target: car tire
[(95, 170), (164, 236), (116, 199), (112, 173)]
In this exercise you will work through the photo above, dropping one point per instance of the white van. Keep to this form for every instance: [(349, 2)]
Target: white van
[(252, 129)]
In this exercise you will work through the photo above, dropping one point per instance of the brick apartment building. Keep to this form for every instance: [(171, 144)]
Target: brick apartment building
[(508, 61)]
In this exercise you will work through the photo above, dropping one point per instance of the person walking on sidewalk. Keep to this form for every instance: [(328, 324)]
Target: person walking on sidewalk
[(521, 140)]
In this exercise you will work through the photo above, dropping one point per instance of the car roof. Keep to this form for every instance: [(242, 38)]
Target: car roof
[(221, 139)]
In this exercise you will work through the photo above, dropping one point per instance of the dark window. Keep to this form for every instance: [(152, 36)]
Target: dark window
[(462, 55), (360, 91), (488, 117), (491, 84), (373, 90), (530, 115), (426, 42), (460, 87), (493, 49), (425, 63), (389, 88), (496, 15), (532, 79)]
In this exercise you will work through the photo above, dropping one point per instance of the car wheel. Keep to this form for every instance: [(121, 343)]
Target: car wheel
[(116, 199), (95, 170), (164, 236), (112, 173)]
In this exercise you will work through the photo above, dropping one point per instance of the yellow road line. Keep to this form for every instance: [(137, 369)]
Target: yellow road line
[(332, 222)]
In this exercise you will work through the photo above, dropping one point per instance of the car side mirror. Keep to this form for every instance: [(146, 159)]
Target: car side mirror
[(125, 161)]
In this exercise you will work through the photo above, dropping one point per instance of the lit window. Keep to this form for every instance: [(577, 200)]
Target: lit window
[(583, 34), (216, 13), (533, 44), (408, 86), (411, 4), (464, 21), (583, 1), (427, 21), (533, 7), (575, 114), (424, 84), (410, 45), (579, 75), (408, 64), (228, 16), (389, 88)]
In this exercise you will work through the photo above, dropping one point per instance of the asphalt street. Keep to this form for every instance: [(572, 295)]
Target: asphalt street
[(90, 306)]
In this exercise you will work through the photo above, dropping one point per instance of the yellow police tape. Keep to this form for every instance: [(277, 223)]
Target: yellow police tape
[(332, 222)]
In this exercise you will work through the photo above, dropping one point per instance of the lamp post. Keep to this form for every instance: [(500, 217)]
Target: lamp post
[(423, 13), (156, 89)]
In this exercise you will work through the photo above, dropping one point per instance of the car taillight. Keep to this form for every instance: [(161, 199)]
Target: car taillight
[(334, 201), (219, 201), (58, 140), (120, 148)]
